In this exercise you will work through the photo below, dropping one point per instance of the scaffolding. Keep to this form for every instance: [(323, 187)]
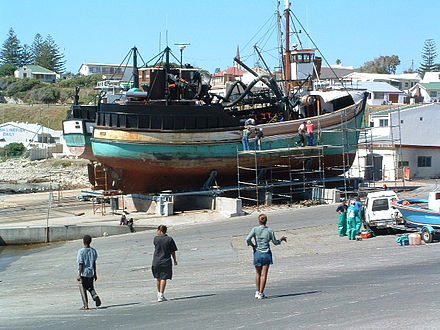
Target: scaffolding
[(299, 171), (370, 162)]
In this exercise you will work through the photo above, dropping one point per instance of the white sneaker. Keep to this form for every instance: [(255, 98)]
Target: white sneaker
[(161, 298), (257, 294), (261, 295)]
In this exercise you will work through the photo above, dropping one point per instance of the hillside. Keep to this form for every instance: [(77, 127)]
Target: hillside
[(47, 115)]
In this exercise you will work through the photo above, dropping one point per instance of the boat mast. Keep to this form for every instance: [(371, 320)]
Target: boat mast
[(287, 66), (167, 70), (135, 68)]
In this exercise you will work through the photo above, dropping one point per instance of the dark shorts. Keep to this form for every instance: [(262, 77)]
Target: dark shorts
[(162, 272), (262, 259), (87, 283)]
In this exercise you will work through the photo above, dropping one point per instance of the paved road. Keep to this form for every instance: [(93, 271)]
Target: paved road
[(318, 280)]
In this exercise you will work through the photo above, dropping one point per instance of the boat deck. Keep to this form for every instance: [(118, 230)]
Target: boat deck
[(285, 150)]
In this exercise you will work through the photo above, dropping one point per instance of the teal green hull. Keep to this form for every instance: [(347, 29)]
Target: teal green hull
[(80, 145), (77, 140), (131, 150)]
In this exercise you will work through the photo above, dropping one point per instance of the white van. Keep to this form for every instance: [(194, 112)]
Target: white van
[(379, 213)]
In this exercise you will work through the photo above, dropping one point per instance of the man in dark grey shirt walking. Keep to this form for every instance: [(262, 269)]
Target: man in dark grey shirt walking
[(162, 267)]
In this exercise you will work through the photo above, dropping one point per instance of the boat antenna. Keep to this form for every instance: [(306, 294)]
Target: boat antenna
[(135, 68), (182, 46)]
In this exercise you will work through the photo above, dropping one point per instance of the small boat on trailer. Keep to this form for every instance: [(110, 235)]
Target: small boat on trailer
[(423, 214)]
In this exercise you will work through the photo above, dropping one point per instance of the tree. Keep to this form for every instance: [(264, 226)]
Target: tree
[(11, 50), (37, 48), (48, 55), (429, 54), (7, 70), (26, 56), (382, 64), (338, 61)]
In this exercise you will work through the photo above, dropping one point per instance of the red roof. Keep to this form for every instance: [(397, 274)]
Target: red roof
[(232, 71)]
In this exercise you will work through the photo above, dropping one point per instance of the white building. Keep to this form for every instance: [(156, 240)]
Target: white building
[(36, 72), (402, 81), (426, 92), (406, 137), (107, 71), (380, 92), (31, 135), (430, 77)]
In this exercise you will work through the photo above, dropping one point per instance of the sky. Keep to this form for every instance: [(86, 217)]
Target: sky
[(354, 31)]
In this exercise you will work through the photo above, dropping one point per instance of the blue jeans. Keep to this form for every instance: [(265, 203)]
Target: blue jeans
[(245, 141), (311, 139), (257, 143)]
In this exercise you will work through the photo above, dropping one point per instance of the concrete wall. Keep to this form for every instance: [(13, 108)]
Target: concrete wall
[(229, 207), (31, 235)]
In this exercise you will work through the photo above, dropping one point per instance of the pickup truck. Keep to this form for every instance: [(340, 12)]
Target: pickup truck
[(378, 211)]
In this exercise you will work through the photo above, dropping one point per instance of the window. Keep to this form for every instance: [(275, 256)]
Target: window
[(24, 75), (433, 94), (421, 118), (371, 123), (403, 163), (401, 121), (424, 161), (379, 95), (383, 122), (380, 205)]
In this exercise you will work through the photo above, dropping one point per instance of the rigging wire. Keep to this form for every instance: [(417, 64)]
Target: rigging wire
[(256, 34), (317, 48)]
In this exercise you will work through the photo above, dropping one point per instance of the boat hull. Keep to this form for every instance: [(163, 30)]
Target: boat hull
[(415, 216), (151, 161), (78, 133), (80, 145)]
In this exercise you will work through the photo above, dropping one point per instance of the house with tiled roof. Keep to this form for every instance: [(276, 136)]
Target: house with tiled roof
[(230, 74), (36, 72), (430, 92)]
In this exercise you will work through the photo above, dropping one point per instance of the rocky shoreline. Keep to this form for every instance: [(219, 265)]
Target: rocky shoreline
[(65, 173)]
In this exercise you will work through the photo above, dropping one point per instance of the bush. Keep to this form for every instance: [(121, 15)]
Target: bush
[(22, 85), (6, 81), (66, 95), (13, 150), (46, 94)]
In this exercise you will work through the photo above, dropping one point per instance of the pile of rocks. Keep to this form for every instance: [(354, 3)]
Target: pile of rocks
[(69, 173)]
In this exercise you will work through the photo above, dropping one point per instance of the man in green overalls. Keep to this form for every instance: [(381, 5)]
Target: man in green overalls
[(342, 210)]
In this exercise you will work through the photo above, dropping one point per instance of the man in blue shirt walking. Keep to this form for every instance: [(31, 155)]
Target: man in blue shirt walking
[(86, 259)]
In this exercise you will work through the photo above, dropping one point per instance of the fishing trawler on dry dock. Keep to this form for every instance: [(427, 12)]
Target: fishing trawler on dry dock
[(172, 133)]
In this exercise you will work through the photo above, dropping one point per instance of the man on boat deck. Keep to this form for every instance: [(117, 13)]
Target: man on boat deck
[(310, 133), (302, 130), (245, 138), (258, 137)]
